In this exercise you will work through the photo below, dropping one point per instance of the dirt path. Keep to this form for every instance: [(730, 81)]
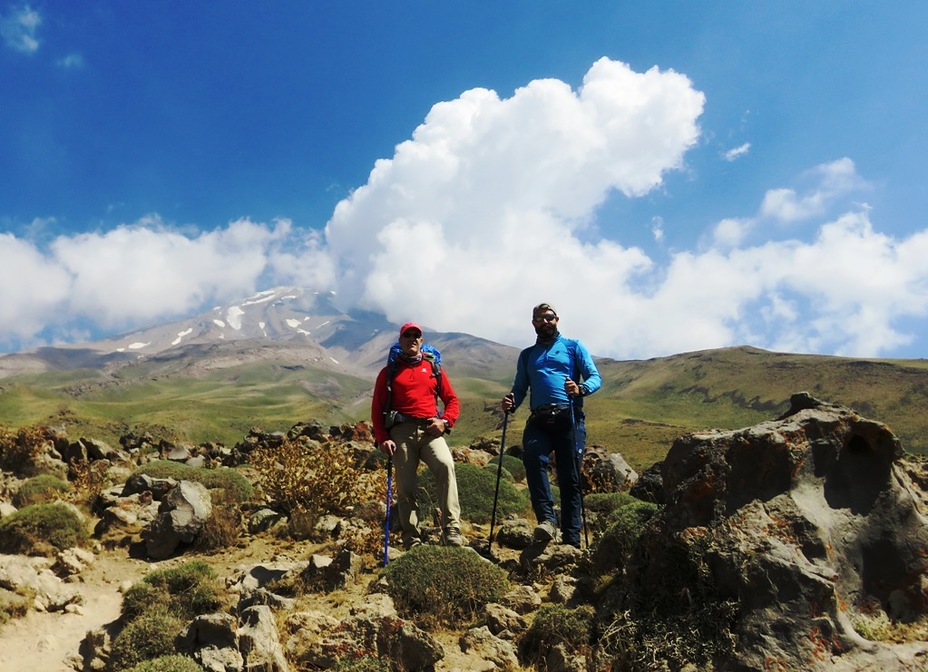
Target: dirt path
[(42, 642)]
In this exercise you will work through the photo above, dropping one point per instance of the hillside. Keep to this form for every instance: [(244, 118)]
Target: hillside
[(217, 392)]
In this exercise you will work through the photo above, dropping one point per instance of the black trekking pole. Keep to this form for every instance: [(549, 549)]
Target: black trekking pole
[(386, 530), (577, 461), (499, 474)]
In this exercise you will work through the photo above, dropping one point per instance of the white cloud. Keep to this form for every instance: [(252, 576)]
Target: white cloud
[(145, 270), (489, 209), (33, 287), (657, 229), (731, 232), (19, 27), (833, 181), (71, 62), (479, 212), (737, 152)]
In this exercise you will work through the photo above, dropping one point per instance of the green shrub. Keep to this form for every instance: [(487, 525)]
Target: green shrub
[(186, 591), (607, 502), (234, 485), (557, 624), (444, 585), (363, 664), (149, 636), (601, 505), (476, 491), (623, 526), (40, 489), (172, 663), (513, 465), (39, 529), (505, 474)]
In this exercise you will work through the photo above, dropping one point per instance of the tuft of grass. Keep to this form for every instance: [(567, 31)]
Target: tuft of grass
[(557, 624), (233, 484), (363, 664), (15, 604), (151, 635), (40, 489), (444, 585), (170, 663), (476, 491), (40, 529), (877, 626), (186, 591)]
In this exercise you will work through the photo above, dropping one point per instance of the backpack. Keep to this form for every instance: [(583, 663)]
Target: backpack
[(429, 353)]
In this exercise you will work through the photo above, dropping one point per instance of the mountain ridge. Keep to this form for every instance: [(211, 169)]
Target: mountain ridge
[(290, 355)]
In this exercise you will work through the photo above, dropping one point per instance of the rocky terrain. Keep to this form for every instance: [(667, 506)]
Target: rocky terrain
[(797, 543)]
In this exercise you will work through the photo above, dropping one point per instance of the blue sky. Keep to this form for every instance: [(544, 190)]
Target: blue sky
[(673, 176)]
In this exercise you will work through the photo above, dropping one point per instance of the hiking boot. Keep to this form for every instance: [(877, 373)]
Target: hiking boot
[(411, 543), (453, 537), (545, 531)]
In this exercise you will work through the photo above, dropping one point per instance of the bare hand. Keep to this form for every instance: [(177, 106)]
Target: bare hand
[(507, 403), (571, 388), (436, 427), (388, 447)]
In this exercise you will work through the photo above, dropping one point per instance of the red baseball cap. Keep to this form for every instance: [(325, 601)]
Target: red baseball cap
[(410, 325)]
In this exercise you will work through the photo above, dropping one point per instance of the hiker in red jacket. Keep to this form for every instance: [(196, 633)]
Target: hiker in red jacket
[(409, 427)]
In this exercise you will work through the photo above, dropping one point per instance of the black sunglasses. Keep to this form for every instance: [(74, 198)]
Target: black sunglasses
[(545, 318), (411, 334)]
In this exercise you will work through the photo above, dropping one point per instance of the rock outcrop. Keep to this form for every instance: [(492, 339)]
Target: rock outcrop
[(786, 538)]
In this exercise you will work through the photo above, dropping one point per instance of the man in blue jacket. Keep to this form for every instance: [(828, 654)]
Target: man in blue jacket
[(559, 372)]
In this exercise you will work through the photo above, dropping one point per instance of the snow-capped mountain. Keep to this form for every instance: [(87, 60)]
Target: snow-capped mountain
[(287, 324), (279, 314)]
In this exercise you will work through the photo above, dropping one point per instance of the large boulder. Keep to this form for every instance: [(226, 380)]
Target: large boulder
[(777, 539), (182, 514)]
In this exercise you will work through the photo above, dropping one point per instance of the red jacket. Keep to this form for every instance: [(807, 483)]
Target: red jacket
[(413, 395)]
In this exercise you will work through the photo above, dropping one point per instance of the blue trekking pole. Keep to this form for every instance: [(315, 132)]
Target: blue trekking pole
[(499, 474), (578, 454), (386, 532)]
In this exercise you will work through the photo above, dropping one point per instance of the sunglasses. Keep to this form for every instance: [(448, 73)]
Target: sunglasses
[(411, 334), (545, 318)]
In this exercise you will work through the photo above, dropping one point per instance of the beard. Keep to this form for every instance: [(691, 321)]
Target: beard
[(546, 331)]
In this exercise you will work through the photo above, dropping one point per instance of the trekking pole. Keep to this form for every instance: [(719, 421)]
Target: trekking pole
[(386, 527), (577, 461), (499, 474)]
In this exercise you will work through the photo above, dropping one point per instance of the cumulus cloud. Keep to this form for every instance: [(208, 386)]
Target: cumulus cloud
[(480, 211), (141, 272), (490, 208), (18, 29)]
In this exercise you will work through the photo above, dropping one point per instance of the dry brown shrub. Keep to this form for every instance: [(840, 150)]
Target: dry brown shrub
[(20, 449), (224, 527), (87, 480), (309, 479)]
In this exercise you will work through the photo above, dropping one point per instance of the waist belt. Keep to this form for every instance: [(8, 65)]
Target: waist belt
[(400, 417), (550, 409)]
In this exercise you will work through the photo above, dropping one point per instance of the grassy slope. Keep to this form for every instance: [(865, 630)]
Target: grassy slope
[(642, 407)]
